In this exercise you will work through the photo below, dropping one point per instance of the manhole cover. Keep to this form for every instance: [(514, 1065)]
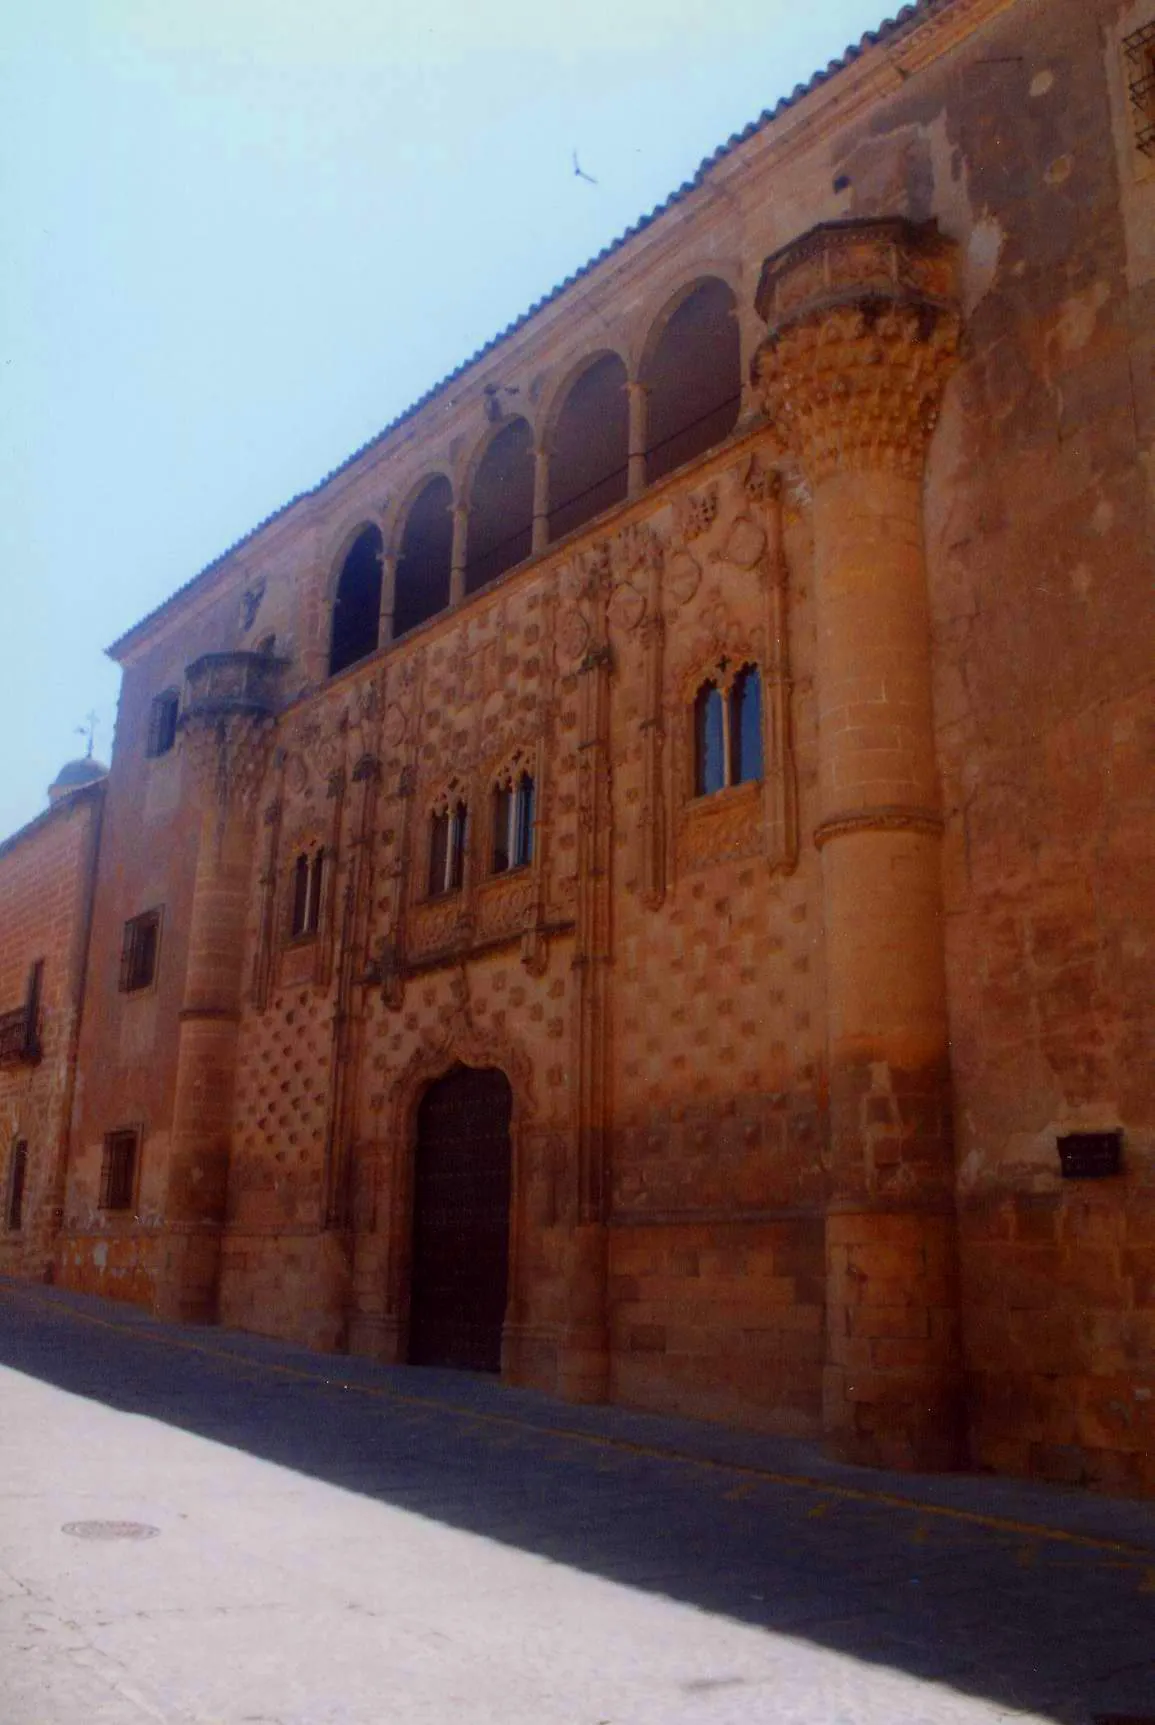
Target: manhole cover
[(110, 1530)]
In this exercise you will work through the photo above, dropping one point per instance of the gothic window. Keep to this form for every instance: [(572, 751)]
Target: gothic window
[(305, 906), (425, 557), (1139, 61), (693, 378), (17, 1174), (500, 531), (728, 731), (589, 449), (447, 849), (139, 950), (118, 1169), (162, 718), (513, 811), (709, 740), (745, 726), (357, 604)]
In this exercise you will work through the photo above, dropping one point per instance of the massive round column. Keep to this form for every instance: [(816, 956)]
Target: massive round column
[(226, 734), (862, 333)]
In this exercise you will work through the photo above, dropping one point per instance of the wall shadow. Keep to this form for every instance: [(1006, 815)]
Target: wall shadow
[(1055, 1627)]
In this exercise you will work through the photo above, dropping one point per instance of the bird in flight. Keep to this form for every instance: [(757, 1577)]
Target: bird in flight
[(581, 173)]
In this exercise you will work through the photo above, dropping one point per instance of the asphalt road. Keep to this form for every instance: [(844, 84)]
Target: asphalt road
[(199, 1526)]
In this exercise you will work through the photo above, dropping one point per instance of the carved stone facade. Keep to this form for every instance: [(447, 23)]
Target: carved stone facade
[(775, 831)]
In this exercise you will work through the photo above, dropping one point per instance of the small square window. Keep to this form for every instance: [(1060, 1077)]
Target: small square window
[(139, 952), (17, 1175), (118, 1169), (162, 718)]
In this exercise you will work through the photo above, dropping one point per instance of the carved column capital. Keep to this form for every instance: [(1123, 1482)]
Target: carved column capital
[(862, 334), (227, 727)]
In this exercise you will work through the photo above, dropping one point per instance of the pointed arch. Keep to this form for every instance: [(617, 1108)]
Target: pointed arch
[(692, 373)]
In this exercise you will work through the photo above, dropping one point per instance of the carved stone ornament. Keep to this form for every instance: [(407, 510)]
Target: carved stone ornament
[(746, 543), (573, 633), (228, 756), (395, 726), (862, 335), (683, 577), (227, 726), (627, 606)]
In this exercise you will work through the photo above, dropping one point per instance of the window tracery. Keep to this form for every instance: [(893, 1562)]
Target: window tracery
[(728, 729), (513, 804), (305, 900), (448, 828)]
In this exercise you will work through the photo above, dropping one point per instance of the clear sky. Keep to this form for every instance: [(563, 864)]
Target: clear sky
[(237, 237)]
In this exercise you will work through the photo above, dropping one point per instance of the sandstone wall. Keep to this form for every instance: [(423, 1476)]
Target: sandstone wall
[(45, 879)]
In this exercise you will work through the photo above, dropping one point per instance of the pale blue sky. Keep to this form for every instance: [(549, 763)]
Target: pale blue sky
[(239, 236)]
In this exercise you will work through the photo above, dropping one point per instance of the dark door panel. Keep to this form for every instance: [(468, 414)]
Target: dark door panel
[(461, 1221)]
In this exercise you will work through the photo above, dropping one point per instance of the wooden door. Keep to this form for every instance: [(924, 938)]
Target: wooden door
[(461, 1221)]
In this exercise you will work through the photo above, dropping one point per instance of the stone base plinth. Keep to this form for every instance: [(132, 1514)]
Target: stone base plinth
[(892, 1385)]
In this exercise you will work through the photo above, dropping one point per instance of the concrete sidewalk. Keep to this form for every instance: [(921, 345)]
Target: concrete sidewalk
[(339, 1541)]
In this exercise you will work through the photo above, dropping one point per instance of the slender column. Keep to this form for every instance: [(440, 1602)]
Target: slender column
[(388, 598), (584, 1362), (457, 555), (540, 497), (226, 741), (636, 395), (862, 337)]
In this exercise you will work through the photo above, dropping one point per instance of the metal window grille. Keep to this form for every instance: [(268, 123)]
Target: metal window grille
[(162, 720), (1139, 52), (118, 1170), (17, 1175), (138, 953)]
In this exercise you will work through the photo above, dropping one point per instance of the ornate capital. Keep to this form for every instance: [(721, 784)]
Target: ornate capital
[(227, 726), (862, 335)]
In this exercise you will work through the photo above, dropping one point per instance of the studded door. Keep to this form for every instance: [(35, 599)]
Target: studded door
[(461, 1221)]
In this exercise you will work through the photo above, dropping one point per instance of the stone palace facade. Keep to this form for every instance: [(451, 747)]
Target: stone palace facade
[(641, 880)]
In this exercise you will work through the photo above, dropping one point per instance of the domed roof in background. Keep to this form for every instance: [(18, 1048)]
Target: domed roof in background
[(73, 775)]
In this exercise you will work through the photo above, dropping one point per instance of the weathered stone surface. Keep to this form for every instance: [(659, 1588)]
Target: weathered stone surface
[(789, 1060)]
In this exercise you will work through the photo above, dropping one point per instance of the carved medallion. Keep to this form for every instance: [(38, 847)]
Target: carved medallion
[(627, 607), (683, 575), (573, 633), (746, 543)]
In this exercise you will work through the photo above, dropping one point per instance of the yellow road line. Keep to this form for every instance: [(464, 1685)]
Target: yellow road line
[(601, 1440)]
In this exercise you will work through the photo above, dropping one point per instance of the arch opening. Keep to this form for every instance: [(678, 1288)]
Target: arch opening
[(693, 378), (589, 452), (462, 1187), (425, 557), (501, 507), (357, 605)]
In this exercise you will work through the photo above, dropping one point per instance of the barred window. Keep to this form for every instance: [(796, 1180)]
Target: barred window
[(447, 849), (139, 951), (1139, 59), (513, 811), (162, 719), (118, 1170), (308, 876), (17, 1174), (728, 731)]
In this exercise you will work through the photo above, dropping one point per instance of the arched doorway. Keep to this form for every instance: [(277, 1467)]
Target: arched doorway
[(461, 1196)]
